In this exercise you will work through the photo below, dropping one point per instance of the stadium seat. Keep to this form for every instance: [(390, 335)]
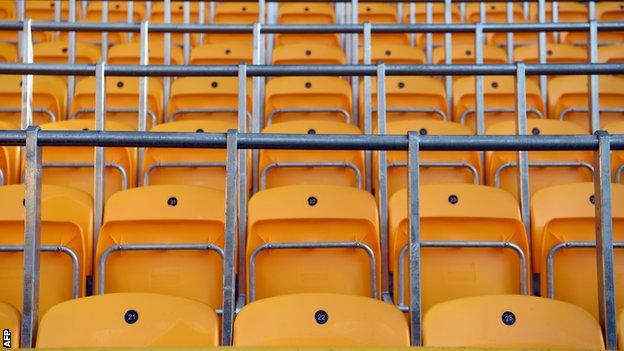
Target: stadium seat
[(57, 162), (611, 53), (118, 11), (394, 54), (159, 163), (9, 159), (49, 98), (307, 98), (308, 53), (10, 319), (499, 97), (44, 10), (464, 54), (408, 98), (57, 52), (307, 13), (495, 12), (221, 54), (130, 54), (177, 16), (465, 166), (122, 100), (605, 12), (617, 158), (164, 215), (320, 320), (8, 52), (511, 321), (566, 213), (437, 13), (555, 53), (233, 13), (567, 95), (502, 165), (459, 213), (202, 98), (129, 320), (66, 221), (279, 167), (381, 13), (312, 215)]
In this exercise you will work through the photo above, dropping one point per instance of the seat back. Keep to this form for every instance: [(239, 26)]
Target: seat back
[(465, 166), (130, 54), (206, 167), (511, 321), (233, 13), (10, 319), (566, 213), (570, 92), (307, 13), (66, 221), (380, 13), (458, 213), (129, 320), (555, 53), (464, 54), (8, 52), (308, 53), (117, 11), (221, 54), (48, 99), (611, 53), (163, 215), (288, 99), (546, 168), (394, 54), (177, 16), (279, 167), (320, 320), (495, 12), (311, 215)]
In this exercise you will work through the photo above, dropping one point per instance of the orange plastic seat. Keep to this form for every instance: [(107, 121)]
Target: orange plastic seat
[(66, 231), (568, 99), (129, 320), (565, 213), (464, 54), (204, 167), (460, 213), (546, 168), (286, 167), (495, 12), (460, 166), (611, 53), (394, 54), (118, 11), (320, 320), (44, 10), (48, 102), (11, 320), (221, 54), (307, 98), (7, 9), (300, 217), (605, 12), (177, 16), (8, 52), (555, 53), (617, 157), (407, 98), (381, 13), (499, 97), (73, 166), (233, 13), (165, 215), (57, 52), (130, 54), (437, 13), (511, 321), (308, 53), (9, 159), (206, 98), (307, 13), (122, 100)]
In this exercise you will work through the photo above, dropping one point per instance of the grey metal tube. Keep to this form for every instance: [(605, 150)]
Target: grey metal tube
[(414, 242), (27, 79)]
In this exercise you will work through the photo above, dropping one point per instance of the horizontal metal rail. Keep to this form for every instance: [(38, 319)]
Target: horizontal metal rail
[(310, 70), (312, 142), (98, 27)]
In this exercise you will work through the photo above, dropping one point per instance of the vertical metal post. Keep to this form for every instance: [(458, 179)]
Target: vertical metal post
[(98, 169), (555, 18), (462, 11), (231, 190), (399, 10), (482, 13), (257, 120), (368, 108), (27, 79), (167, 56), (340, 19), (202, 20), (272, 13), (524, 191), (104, 44), (85, 5), (383, 181), (71, 57), (412, 20), (448, 57), (58, 5), (479, 99), (355, 80), (510, 35), (604, 239), (32, 239), (187, 35), (130, 18), (429, 36), (541, 47), (413, 215), (148, 9), (593, 83), (242, 176), (143, 60), (526, 9), (212, 6)]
